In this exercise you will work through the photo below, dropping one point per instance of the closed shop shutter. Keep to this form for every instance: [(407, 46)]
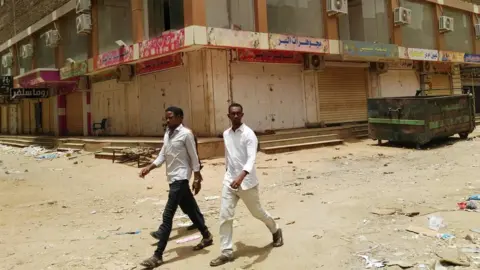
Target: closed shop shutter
[(46, 116), (12, 119), (456, 80), (440, 85), (271, 95), (74, 114), (158, 91), (26, 116), (108, 101), (399, 83), (342, 94)]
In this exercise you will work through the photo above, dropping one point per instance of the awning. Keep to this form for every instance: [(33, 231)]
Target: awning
[(45, 78)]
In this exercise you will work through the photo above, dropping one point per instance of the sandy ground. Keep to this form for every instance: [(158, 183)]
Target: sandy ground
[(65, 214)]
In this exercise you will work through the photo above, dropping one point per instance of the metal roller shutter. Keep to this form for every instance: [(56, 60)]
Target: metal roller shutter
[(440, 84), (74, 114), (342, 95)]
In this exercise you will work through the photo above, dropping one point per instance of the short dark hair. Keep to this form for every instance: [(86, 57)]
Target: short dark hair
[(238, 105), (175, 110)]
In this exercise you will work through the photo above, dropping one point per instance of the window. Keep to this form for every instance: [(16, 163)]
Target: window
[(75, 46), (460, 40), (164, 15), (115, 23), (3, 70), (296, 17), (235, 14), (44, 56), (367, 20), (420, 33), (25, 64)]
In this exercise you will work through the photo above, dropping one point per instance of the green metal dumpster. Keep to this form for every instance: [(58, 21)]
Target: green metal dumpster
[(420, 119)]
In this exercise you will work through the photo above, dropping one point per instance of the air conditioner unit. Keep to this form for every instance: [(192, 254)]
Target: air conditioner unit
[(402, 16), (84, 24), (124, 73), (379, 67), (477, 30), (313, 61), (83, 6), (26, 51), (337, 7), (83, 83), (445, 24), (7, 60), (52, 38)]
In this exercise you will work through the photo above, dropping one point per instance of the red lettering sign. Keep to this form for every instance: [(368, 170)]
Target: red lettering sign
[(285, 57)]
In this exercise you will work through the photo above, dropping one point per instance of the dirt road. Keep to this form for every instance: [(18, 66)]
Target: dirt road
[(67, 214)]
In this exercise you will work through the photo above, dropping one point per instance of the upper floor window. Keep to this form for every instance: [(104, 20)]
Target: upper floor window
[(164, 15), (234, 14), (367, 20), (44, 55), (24, 63), (75, 46), (5, 71), (421, 32), (114, 23), (460, 39), (296, 17)]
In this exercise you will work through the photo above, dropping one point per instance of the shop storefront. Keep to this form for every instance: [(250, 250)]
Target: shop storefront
[(400, 80), (269, 86)]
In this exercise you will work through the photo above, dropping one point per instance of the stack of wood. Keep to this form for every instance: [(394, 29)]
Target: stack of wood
[(135, 152)]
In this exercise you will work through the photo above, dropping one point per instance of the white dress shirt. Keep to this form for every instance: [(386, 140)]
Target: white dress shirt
[(180, 154), (240, 155)]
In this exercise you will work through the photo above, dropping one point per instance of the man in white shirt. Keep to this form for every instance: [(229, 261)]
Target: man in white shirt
[(181, 158), (240, 182)]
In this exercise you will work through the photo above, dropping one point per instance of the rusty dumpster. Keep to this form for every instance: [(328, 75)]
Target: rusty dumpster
[(420, 119)]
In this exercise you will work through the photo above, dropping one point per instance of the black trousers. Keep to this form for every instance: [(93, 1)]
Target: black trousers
[(179, 195)]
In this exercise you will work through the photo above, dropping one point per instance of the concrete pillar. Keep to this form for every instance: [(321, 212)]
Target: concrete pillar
[(194, 12), (137, 20), (261, 22), (61, 115)]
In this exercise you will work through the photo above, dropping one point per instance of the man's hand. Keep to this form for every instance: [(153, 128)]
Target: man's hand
[(145, 171), (197, 183), (238, 181)]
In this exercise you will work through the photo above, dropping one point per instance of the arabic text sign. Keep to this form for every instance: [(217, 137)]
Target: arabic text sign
[(159, 64), (168, 42), (422, 54), (359, 49), (74, 70), (248, 55), (472, 58), (298, 44), (29, 93), (447, 56), (232, 38), (113, 58), (6, 83)]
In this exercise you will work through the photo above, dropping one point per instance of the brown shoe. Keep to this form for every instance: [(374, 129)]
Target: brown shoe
[(221, 260), (278, 238), (206, 242), (152, 262)]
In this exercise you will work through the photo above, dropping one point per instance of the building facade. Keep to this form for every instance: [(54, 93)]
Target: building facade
[(290, 63)]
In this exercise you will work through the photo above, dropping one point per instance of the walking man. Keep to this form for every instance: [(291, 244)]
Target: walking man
[(240, 182), (180, 155)]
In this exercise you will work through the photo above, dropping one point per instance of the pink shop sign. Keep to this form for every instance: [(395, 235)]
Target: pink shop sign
[(115, 57), (170, 41)]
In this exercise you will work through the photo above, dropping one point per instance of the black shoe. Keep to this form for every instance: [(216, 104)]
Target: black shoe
[(278, 238), (152, 262)]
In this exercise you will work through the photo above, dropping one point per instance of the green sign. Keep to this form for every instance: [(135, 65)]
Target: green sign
[(369, 51), (74, 70)]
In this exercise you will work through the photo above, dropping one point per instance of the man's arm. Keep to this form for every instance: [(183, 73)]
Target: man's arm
[(160, 159), (192, 152), (251, 144)]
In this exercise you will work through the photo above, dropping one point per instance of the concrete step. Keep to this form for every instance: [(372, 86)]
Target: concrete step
[(297, 140), (76, 146), (24, 143), (14, 144), (301, 146), (110, 149), (295, 134), (64, 149)]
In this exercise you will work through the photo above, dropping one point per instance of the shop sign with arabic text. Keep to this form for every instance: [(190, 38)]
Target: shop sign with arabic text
[(472, 58), (169, 41), (422, 54), (298, 44), (448, 56), (365, 50), (74, 70), (286, 57), (157, 64), (115, 57)]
